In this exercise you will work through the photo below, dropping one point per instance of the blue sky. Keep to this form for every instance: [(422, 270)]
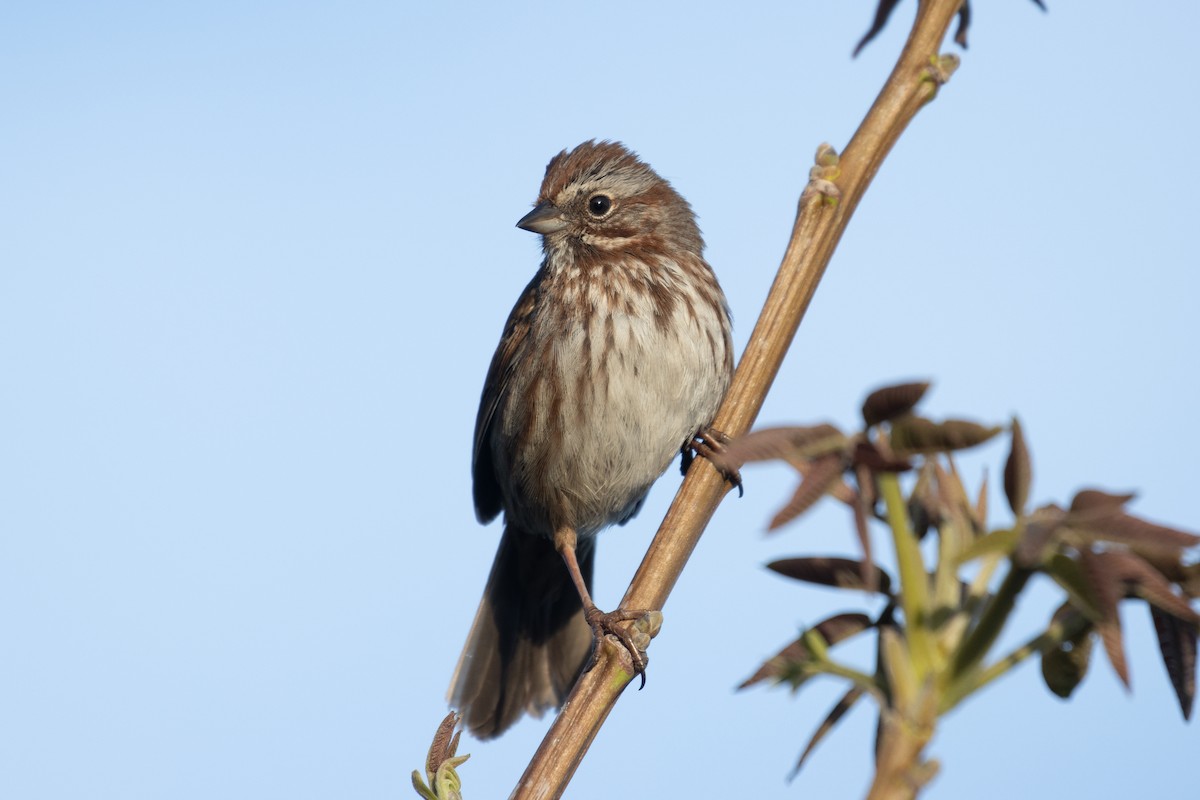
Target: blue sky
[(256, 257)]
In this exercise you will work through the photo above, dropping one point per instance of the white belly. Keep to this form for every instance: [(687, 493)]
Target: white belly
[(632, 392)]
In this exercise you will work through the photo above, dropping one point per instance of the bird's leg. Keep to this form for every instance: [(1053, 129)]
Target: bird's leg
[(710, 444), (601, 622)]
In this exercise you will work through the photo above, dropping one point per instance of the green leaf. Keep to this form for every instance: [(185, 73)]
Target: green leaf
[(1068, 574), (1065, 665), (914, 579), (897, 659), (998, 542), (423, 790)]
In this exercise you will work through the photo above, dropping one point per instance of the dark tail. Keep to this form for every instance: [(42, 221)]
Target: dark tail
[(529, 640)]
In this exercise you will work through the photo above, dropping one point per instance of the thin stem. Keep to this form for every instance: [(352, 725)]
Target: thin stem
[(991, 622), (969, 683), (860, 679), (914, 580)]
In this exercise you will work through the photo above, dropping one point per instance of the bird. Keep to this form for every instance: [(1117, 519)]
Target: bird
[(613, 360)]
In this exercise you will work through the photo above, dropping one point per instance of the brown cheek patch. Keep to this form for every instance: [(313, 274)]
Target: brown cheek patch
[(615, 231)]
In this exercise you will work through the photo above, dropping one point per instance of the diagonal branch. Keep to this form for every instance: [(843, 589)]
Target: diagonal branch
[(820, 222)]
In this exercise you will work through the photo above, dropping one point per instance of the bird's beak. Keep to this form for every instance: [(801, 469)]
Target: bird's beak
[(544, 219)]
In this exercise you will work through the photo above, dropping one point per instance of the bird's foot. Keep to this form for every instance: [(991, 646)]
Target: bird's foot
[(710, 444), (634, 638)]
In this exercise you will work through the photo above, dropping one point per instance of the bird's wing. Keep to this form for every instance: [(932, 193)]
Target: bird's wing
[(488, 498)]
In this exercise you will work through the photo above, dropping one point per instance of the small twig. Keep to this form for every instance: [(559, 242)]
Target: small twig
[(914, 580), (972, 681), (991, 622)]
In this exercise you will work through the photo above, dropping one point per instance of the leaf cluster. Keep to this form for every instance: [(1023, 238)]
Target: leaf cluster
[(937, 632), (441, 764)]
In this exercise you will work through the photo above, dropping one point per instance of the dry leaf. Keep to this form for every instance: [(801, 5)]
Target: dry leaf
[(1041, 528), (843, 573), (1106, 588), (788, 664), (822, 474), (805, 442), (1093, 499), (920, 435), (1018, 471), (834, 716), (1064, 666), (890, 402), (1177, 643), (1111, 524)]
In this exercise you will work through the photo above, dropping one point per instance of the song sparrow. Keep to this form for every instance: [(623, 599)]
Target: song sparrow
[(613, 360)]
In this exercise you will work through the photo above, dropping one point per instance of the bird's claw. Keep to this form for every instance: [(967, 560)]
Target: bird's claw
[(634, 638), (710, 443)]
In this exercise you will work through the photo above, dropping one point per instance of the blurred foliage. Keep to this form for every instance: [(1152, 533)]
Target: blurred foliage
[(884, 9), (936, 635), (441, 765)]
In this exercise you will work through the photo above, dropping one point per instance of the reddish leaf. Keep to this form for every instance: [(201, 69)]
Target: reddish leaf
[(1110, 524), (811, 441), (920, 435), (821, 476), (866, 454), (788, 663), (1093, 499), (1040, 529), (1190, 582), (1171, 567), (884, 8), (862, 508), (1148, 583), (882, 11), (445, 743), (1177, 643), (841, 627), (843, 573), (890, 402), (1106, 587), (842, 492), (980, 514), (964, 23), (1018, 471), (834, 716)]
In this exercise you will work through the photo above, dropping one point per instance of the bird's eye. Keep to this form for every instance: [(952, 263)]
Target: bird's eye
[(599, 204)]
